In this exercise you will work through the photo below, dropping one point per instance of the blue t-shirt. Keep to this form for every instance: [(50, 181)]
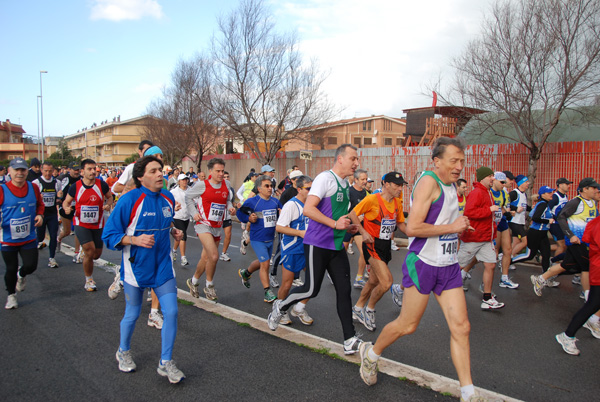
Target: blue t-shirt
[(267, 211)]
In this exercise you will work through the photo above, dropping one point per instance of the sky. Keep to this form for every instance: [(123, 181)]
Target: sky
[(108, 58)]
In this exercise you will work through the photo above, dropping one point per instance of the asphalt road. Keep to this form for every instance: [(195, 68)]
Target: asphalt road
[(60, 343)]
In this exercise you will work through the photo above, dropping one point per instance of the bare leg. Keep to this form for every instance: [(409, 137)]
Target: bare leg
[(227, 238)]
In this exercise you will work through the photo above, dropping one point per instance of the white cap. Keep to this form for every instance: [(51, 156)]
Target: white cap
[(295, 173), (182, 176)]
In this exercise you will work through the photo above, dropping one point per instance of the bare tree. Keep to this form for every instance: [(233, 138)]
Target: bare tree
[(260, 88), (533, 60), (183, 122)]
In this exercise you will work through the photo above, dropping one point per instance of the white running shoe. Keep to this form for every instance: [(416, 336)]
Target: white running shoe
[(491, 304), (155, 319), (224, 257), (397, 294), (245, 241), (174, 255), (125, 360), (508, 284), (594, 328), (297, 282), (184, 261), (273, 282), (21, 282), (52, 263), (350, 250), (368, 368), (90, 286), (538, 284), (115, 288), (11, 302), (285, 319), (169, 370), (352, 345), (395, 246), (78, 258), (302, 316), (568, 344)]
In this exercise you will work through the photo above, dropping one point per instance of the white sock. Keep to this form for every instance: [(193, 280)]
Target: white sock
[(370, 309), (299, 307), (586, 293), (593, 319), (89, 278), (194, 280), (504, 277), (467, 391), (153, 311), (174, 250), (372, 355), (463, 273), (209, 283)]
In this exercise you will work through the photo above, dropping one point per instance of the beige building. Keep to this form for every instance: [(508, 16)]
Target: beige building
[(14, 144), (362, 132), (108, 143)]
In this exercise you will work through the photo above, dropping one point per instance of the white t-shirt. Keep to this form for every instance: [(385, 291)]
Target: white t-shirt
[(325, 184), (289, 213), (179, 195), (125, 177)]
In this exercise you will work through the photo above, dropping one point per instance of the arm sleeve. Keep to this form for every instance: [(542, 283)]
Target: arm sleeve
[(40, 201), (72, 190), (513, 197), (104, 187), (568, 210), (192, 193), (475, 207), (537, 213), (281, 184), (243, 216), (240, 193)]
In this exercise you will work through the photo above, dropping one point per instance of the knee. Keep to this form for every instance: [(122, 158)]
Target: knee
[(461, 328), (169, 310), (386, 283)]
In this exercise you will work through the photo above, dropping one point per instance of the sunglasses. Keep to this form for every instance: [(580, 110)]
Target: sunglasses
[(267, 185), (307, 188), (503, 182)]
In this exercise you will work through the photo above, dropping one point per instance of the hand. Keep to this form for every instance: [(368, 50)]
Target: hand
[(460, 224), (302, 233), (551, 221), (232, 210), (352, 228), (67, 209), (39, 219), (513, 213), (367, 238), (177, 206), (197, 218), (575, 240), (146, 241), (343, 223), (494, 208), (253, 218), (177, 234), (519, 210), (106, 207)]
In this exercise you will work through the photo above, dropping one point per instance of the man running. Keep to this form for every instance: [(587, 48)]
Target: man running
[(227, 222), (21, 209), (461, 188), (503, 239), (181, 220), (381, 215), (89, 194), (51, 192), (206, 203), (559, 199), (431, 264), (518, 204), (139, 226), (327, 209), (67, 180), (357, 194)]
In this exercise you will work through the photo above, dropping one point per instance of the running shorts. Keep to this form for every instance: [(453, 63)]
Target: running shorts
[(577, 259), (86, 235), (502, 225), (517, 229), (427, 278), (183, 226), (293, 262), (380, 250), (263, 249)]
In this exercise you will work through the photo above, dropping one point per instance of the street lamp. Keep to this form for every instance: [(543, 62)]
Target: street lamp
[(37, 103), (42, 110)]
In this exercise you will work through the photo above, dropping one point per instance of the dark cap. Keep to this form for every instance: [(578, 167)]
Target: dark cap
[(509, 174), (562, 180), (587, 182), (520, 179), (2, 168), (74, 166), (35, 162), (18, 163), (394, 177)]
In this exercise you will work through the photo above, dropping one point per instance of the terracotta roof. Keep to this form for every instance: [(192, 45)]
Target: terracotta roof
[(14, 128), (449, 111), (349, 121)]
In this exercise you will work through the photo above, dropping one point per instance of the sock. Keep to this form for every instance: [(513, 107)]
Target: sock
[(209, 283), (463, 273), (593, 319), (174, 250), (467, 391), (194, 280), (504, 277), (299, 307), (89, 278), (586, 293), (372, 355), (358, 277), (153, 311), (370, 309), (487, 296), (267, 288)]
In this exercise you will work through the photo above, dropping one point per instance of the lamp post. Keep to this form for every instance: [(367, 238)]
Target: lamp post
[(42, 110), (37, 103)]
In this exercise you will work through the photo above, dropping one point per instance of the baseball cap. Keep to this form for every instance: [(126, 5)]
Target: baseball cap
[(35, 162), (295, 173), (509, 174), (587, 182), (267, 168), (562, 180), (253, 174), (369, 180), (182, 176), (544, 190), (394, 177), (74, 166), (18, 163), (500, 176)]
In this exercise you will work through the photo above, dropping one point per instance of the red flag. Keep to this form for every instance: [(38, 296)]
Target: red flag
[(434, 99)]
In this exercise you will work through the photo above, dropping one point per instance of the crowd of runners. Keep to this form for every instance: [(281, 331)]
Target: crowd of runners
[(308, 227)]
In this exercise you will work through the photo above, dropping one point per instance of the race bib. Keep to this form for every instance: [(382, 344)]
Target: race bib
[(49, 199), (270, 218), (448, 249), (19, 228), (89, 214), (497, 216), (216, 212), (387, 229)]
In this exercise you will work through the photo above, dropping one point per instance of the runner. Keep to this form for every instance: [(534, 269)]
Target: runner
[(357, 194), (326, 207), (35, 170), (381, 215), (243, 194), (503, 239), (573, 219), (461, 188), (518, 204), (292, 227), (559, 199), (262, 212), (51, 192), (206, 203), (66, 181), (89, 194), (139, 226), (227, 222), (21, 208), (181, 220), (431, 264), (3, 176)]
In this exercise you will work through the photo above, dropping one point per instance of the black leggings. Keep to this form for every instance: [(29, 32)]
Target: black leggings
[(591, 307), (537, 240), (11, 259), (319, 261)]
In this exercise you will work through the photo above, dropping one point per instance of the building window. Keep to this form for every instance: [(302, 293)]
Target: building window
[(387, 141), (399, 141), (364, 126), (368, 141), (357, 141), (369, 126), (332, 140), (387, 125)]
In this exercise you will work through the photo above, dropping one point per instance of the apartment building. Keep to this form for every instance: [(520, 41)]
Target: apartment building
[(14, 143)]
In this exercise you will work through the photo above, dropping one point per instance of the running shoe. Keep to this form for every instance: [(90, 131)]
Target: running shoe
[(370, 320), (302, 316), (90, 286), (210, 292), (168, 369), (149, 296), (576, 280), (224, 257), (538, 284), (359, 283), (552, 282), (367, 273), (184, 261), (269, 296), (464, 283), (297, 282), (481, 290), (193, 288), (245, 277), (594, 328), (395, 246), (368, 368), (491, 304), (244, 242), (274, 316), (352, 345), (115, 288), (568, 344), (512, 267), (508, 284), (52, 263), (41, 245), (350, 250), (474, 398), (21, 282), (358, 314), (285, 319), (582, 295), (174, 255), (155, 319), (78, 258), (273, 281), (11, 302), (125, 360), (397, 293)]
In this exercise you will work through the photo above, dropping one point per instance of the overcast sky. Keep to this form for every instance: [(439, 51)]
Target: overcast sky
[(112, 57)]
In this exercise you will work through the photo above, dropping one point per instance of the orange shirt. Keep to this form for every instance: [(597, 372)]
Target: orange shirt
[(371, 208), (110, 181)]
